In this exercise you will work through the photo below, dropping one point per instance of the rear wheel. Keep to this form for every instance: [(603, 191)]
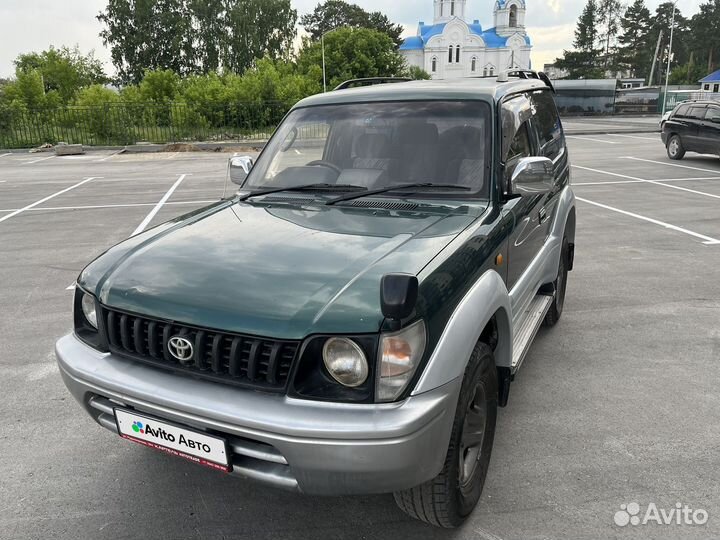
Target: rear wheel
[(675, 148), (449, 498)]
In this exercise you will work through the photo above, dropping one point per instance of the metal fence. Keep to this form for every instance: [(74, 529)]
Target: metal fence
[(131, 123)]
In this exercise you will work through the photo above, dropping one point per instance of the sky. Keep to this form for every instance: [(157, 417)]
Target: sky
[(36, 24)]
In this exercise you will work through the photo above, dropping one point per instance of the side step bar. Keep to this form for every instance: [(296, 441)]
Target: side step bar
[(527, 331)]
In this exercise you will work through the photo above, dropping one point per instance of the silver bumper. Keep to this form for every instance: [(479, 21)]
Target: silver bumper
[(316, 448)]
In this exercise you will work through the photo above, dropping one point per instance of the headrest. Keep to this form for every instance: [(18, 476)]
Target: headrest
[(418, 133), (373, 145)]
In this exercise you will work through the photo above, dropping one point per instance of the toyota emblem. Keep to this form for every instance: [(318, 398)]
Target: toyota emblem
[(180, 348)]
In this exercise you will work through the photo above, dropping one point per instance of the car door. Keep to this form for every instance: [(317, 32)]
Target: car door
[(551, 144), (693, 121), (710, 130), (519, 142)]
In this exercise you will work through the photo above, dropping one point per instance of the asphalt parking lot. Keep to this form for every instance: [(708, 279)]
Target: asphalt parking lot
[(617, 404)]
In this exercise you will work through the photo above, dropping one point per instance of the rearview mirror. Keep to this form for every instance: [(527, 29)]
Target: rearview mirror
[(239, 168), (533, 176)]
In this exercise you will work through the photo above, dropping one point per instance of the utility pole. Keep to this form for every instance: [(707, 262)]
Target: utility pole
[(667, 73), (657, 51)]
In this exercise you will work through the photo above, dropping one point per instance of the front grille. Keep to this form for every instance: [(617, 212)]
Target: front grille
[(229, 358)]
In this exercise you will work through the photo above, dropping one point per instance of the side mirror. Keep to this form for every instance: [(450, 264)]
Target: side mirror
[(398, 295), (533, 176), (239, 169)]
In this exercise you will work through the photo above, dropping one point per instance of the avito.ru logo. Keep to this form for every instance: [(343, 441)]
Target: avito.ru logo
[(681, 514)]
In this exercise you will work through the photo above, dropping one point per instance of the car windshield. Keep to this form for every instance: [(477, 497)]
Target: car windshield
[(381, 145)]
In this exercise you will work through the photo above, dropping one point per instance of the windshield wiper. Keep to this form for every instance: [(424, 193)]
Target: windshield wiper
[(401, 187), (307, 187)]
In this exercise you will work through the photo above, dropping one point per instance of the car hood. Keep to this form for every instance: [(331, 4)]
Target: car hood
[(277, 271)]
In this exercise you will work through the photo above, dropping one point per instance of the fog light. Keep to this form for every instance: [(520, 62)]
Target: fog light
[(345, 361)]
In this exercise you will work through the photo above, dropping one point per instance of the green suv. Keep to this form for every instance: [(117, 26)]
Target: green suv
[(350, 321)]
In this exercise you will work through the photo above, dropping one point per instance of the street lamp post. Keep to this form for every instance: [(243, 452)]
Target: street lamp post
[(667, 73)]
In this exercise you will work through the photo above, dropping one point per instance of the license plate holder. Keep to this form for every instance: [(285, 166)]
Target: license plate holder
[(173, 439)]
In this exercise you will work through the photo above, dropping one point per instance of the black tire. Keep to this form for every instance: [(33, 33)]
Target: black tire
[(555, 312), (449, 498), (675, 148)]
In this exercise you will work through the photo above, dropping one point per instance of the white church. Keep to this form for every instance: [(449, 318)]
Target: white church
[(452, 47)]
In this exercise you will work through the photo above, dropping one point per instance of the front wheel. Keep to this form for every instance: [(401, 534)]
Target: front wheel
[(675, 148), (449, 498), (556, 308)]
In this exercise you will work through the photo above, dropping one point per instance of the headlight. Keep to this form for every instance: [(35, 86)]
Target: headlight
[(345, 361), (400, 354), (88, 309)]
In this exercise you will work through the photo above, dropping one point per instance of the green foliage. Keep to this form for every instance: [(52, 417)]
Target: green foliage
[(195, 36), (636, 49), (704, 39), (96, 95), (351, 54), (417, 74), (584, 61), (160, 86), (609, 13), (689, 73), (333, 14), (62, 71)]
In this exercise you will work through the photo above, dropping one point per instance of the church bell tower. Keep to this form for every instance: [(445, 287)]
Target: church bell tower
[(446, 10)]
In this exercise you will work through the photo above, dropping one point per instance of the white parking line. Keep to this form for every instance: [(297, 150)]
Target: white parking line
[(41, 201), (109, 206), (4, 155), (613, 182), (640, 180), (589, 139), (159, 205), (110, 156), (652, 139), (707, 240), (672, 164), (38, 160)]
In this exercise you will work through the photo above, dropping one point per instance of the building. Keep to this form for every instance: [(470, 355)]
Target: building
[(451, 47), (711, 83)]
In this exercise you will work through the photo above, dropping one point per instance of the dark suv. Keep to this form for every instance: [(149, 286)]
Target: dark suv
[(351, 320), (693, 127)]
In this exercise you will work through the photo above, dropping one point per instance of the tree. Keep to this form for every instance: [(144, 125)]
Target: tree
[(583, 61), (704, 38), (351, 53), (609, 12), (417, 74), (64, 71), (257, 29), (333, 14), (195, 36), (147, 34), (636, 48), (663, 22)]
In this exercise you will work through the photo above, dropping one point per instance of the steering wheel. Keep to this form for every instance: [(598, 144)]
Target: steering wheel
[(327, 164)]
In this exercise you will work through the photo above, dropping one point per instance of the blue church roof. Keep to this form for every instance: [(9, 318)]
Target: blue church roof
[(713, 77), (427, 31)]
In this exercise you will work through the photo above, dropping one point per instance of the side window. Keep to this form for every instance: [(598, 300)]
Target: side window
[(697, 113), (548, 126), (682, 111), (520, 147), (713, 114)]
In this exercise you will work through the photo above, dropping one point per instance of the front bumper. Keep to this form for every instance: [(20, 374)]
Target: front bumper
[(313, 447)]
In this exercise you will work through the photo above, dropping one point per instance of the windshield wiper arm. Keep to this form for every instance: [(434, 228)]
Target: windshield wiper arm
[(399, 187), (307, 187)]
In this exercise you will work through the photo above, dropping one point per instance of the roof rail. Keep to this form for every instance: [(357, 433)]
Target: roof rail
[(504, 76), (355, 83)]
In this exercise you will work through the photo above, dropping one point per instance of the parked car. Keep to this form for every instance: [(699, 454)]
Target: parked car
[(351, 320), (693, 126)]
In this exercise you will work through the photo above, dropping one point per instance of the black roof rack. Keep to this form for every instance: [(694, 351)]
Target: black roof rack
[(529, 74), (355, 83)]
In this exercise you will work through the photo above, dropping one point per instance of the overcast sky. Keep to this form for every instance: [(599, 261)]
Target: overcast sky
[(34, 25)]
